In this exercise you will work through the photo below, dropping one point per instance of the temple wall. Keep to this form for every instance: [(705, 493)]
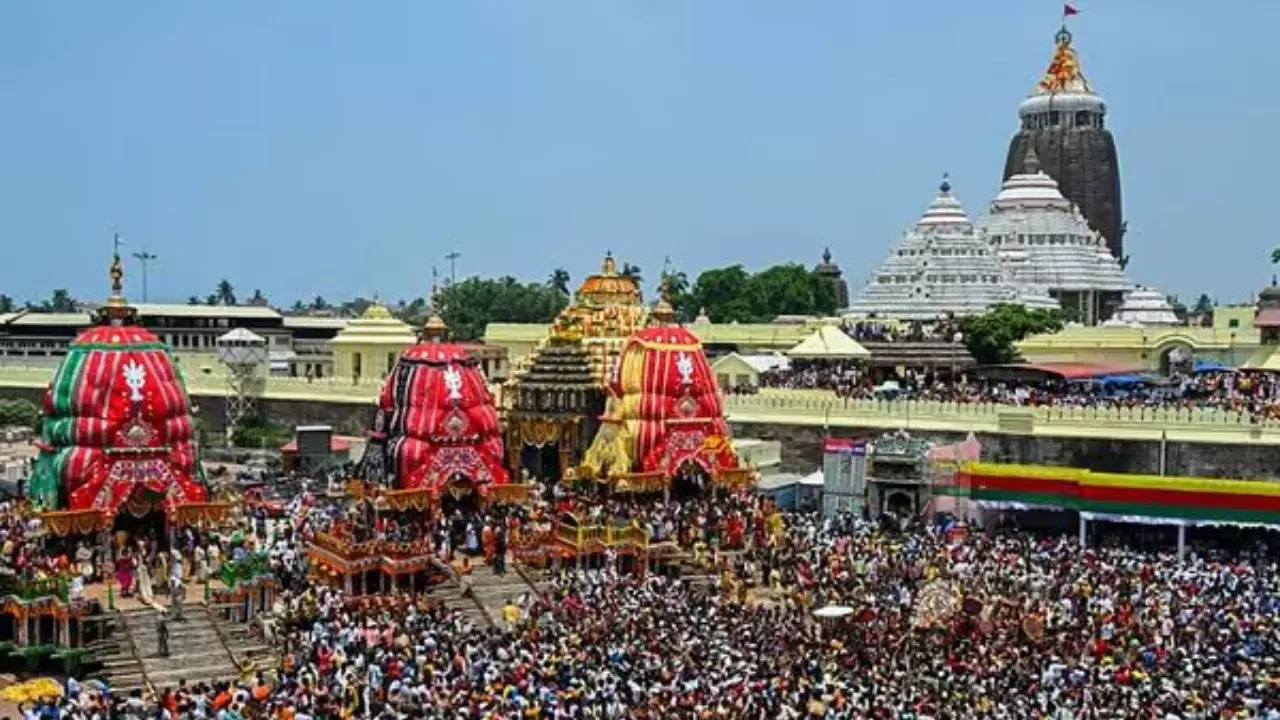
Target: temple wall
[(802, 451)]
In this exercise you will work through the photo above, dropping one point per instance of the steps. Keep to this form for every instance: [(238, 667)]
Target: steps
[(196, 652)]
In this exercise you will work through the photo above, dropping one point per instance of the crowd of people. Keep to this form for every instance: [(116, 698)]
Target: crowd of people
[(1255, 394), (942, 622)]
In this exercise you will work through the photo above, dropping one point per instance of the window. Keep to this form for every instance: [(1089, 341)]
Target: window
[(1233, 323)]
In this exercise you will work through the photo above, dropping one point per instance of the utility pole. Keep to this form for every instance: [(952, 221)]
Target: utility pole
[(453, 269), (146, 258)]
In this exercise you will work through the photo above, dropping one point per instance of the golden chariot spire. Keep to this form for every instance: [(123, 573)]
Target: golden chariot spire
[(116, 310), (435, 328)]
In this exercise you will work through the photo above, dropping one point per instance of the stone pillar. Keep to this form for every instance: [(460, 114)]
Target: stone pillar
[(346, 583), (64, 632), (1084, 531)]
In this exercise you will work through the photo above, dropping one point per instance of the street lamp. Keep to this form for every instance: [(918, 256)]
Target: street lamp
[(453, 259), (146, 258)]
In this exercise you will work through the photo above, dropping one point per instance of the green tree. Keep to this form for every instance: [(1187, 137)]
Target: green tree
[(6, 303), (679, 292), (19, 412), (225, 292), (60, 302), (258, 299), (298, 307), (319, 304), (990, 337), (719, 291), (559, 281), (1204, 305), (211, 299), (1275, 256), (193, 300), (633, 272), (470, 305)]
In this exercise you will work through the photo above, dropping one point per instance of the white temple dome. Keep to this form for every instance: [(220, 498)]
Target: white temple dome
[(943, 265), (1144, 306)]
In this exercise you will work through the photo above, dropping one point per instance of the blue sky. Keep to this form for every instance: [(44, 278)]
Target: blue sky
[(343, 148)]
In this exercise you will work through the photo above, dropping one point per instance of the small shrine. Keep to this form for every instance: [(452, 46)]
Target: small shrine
[(898, 476), (553, 402), (663, 429)]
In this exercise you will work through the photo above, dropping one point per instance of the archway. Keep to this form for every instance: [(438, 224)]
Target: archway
[(1176, 359), (141, 517), (901, 504)]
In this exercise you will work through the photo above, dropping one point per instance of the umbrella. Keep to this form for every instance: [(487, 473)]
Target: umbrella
[(833, 611)]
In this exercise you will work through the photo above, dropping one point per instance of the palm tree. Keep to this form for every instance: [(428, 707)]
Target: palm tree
[(319, 304), (226, 294), (632, 271), (258, 299), (193, 300), (559, 281)]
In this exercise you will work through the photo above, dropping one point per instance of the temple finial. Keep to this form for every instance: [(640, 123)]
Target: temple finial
[(826, 255), (609, 267), (945, 187), (663, 312), (435, 328), (116, 309)]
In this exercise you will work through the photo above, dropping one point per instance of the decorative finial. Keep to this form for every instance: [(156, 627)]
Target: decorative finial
[(435, 328), (609, 267), (663, 312), (945, 187), (1031, 162), (116, 309), (826, 255), (1063, 37)]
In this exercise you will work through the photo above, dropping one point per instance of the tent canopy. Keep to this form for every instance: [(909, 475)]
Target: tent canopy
[(828, 343)]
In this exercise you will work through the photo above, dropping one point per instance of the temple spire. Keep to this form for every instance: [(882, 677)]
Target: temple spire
[(663, 312)]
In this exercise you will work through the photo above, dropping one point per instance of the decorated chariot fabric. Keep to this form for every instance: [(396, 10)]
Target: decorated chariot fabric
[(436, 422), (117, 431)]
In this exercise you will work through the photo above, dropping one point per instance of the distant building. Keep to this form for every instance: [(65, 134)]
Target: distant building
[(943, 266), (296, 345), (1043, 241), (1064, 122), (832, 273), (1145, 307)]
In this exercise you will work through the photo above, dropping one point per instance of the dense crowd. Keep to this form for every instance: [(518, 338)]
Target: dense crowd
[(943, 622), (1256, 394)]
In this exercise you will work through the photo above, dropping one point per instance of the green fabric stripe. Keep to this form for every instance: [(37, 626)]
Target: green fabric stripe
[(1190, 512), (42, 489), (65, 383)]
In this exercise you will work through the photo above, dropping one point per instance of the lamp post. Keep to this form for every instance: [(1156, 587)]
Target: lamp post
[(146, 258), (453, 259)]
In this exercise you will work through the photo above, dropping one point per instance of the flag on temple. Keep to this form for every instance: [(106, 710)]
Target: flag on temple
[(1068, 10)]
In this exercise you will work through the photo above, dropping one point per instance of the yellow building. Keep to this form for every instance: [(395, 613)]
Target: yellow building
[(1231, 341), (367, 348)]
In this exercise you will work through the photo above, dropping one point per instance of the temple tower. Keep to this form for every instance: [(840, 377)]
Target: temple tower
[(1064, 121)]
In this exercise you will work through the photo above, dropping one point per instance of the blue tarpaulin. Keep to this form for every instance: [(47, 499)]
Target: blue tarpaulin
[(1204, 366)]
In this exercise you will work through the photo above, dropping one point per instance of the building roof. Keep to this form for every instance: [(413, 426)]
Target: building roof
[(321, 323), (829, 342), (376, 326), (1057, 370), (241, 335), (942, 266), (31, 318), (1144, 306), (1043, 240), (209, 311)]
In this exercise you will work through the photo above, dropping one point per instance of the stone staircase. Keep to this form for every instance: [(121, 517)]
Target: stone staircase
[(196, 652), (489, 592)]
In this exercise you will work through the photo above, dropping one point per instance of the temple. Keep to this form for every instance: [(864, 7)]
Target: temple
[(554, 399), (664, 428), (1145, 307), (117, 443), (1043, 241), (828, 270), (943, 266), (436, 429), (1063, 120)]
